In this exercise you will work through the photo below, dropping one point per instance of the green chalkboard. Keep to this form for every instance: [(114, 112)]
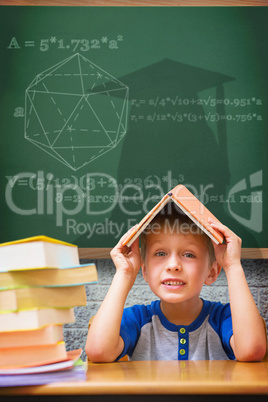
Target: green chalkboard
[(103, 110)]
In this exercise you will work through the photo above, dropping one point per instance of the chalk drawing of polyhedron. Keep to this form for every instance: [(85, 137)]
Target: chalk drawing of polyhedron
[(75, 111)]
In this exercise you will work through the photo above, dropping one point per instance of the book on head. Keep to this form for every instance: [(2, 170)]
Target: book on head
[(189, 205), (37, 252)]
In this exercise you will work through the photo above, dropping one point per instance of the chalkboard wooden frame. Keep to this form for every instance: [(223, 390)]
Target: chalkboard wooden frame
[(101, 253), (141, 3)]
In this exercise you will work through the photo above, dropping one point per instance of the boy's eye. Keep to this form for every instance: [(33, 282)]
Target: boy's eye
[(189, 255), (160, 254)]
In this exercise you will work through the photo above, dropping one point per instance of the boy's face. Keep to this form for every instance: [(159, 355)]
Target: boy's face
[(176, 266)]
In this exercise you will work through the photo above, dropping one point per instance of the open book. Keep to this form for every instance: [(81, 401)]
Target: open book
[(189, 205)]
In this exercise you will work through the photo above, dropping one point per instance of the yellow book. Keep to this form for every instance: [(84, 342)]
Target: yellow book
[(37, 252), (69, 276), (42, 298), (36, 238)]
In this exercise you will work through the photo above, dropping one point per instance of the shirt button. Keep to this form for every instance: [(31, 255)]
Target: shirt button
[(182, 352), (182, 330), (183, 341)]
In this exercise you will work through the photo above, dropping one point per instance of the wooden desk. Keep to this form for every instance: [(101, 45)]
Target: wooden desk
[(164, 378)]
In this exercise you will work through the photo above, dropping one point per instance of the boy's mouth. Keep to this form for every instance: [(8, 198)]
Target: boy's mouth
[(173, 283)]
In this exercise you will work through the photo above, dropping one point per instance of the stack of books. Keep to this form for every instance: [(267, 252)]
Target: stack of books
[(41, 281)]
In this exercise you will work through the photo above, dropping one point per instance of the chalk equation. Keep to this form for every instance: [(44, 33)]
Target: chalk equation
[(209, 101), (74, 45), (195, 118), (179, 109)]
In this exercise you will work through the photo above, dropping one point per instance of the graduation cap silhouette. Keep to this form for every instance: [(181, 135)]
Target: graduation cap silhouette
[(169, 130), (168, 91), (168, 126), (172, 77)]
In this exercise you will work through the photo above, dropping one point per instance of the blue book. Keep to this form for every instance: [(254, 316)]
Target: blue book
[(76, 373)]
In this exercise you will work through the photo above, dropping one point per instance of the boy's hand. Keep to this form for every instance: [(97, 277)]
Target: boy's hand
[(104, 343), (229, 253), (249, 339), (127, 260)]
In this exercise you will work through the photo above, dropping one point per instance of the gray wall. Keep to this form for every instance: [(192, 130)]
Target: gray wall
[(75, 334)]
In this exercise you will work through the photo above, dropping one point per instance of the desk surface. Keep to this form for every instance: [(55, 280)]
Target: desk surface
[(161, 377)]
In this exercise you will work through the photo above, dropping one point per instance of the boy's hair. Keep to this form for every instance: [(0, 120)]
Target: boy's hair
[(173, 220)]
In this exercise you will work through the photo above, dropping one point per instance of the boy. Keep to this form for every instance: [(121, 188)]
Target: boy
[(177, 259)]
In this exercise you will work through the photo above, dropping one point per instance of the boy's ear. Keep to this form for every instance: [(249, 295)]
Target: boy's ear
[(144, 271), (213, 274)]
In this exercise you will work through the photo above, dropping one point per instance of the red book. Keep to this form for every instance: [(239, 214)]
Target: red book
[(32, 355), (189, 204)]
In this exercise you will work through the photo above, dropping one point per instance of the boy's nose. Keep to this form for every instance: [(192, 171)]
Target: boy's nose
[(174, 264), (176, 269)]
